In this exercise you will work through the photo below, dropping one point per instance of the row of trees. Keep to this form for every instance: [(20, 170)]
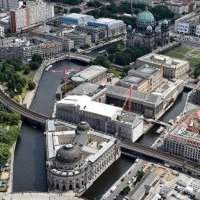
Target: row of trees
[(9, 131), (118, 54)]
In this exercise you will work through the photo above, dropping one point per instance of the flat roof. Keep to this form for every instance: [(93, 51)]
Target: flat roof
[(137, 96), (88, 89), (76, 15), (108, 21), (86, 104), (89, 73), (170, 62)]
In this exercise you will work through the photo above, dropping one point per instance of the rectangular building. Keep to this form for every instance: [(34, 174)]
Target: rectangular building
[(30, 14), (97, 33), (92, 74), (114, 27), (172, 68), (144, 79), (149, 105), (183, 143), (76, 19), (102, 117)]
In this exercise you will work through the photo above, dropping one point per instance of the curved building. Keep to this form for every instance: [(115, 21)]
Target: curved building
[(77, 157)]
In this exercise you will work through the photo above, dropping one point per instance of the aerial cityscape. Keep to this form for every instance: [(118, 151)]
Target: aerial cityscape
[(100, 100)]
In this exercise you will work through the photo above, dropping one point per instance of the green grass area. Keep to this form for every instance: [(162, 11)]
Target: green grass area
[(178, 52), (186, 53), (117, 73)]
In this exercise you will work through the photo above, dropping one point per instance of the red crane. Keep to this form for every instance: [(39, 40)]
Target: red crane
[(128, 103)]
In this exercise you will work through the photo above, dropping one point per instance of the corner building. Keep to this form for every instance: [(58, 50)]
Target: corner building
[(76, 158)]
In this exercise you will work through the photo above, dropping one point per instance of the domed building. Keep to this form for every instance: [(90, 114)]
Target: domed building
[(77, 157), (145, 19), (148, 33)]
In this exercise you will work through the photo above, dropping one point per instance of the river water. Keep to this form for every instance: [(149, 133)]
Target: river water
[(29, 163)]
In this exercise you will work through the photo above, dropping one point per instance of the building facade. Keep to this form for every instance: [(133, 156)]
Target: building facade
[(107, 118), (78, 157), (183, 143), (97, 33), (30, 14), (45, 50)]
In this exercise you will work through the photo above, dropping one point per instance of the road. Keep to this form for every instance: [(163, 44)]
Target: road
[(123, 181)]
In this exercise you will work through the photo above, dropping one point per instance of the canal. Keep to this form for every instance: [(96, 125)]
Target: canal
[(29, 163)]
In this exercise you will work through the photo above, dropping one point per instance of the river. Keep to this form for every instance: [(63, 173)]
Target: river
[(29, 163)]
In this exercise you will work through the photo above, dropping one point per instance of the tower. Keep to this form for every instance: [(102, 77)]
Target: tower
[(164, 33)]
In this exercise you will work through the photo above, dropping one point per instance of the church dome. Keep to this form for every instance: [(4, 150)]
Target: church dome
[(68, 154), (146, 18)]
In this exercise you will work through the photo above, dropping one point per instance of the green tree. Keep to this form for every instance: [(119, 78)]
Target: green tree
[(37, 58), (4, 154), (75, 10), (72, 2), (161, 12), (102, 60), (31, 85)]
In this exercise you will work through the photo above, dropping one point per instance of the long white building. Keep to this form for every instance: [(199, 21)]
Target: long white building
[(30, 14), (107, 118)]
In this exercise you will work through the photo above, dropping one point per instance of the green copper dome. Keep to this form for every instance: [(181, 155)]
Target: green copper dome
[(145, 17)]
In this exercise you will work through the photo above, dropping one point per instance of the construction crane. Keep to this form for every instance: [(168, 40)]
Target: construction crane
[(66, 81), (128, 103)]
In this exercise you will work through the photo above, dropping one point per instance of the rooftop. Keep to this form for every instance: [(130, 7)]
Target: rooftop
[(91, 150), (122, 93), (144, 71), (167, 61), (145, 17), (88, 89), (108, 21), (89, 73), (77, 15), (85, 103)]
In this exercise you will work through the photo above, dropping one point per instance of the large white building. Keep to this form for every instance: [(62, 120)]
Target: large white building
[(9, 4), (114, 27), (76, 157), (107, 118), (188, 25), (76, 19), (30, 14)]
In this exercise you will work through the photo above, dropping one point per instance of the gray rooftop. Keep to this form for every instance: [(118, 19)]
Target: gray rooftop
[(88, 89), (89, 73), (144, 71), (122, 93)]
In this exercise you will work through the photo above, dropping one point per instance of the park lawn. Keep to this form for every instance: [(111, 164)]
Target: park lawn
[(178, 52), (117, 73)]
